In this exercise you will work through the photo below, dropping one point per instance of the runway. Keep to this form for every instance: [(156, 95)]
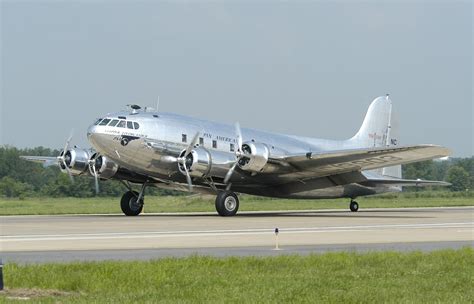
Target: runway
[(98, 237)]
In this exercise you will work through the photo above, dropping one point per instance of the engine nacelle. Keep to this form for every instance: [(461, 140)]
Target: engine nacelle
[(77, 161), (255, 156), (202, 162), (104, 166)]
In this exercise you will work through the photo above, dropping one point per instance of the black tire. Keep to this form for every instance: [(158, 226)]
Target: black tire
[(227, 203), (129, 204), (354, 206)]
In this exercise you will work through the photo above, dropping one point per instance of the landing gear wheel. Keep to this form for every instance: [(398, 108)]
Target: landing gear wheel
[(354, 206), (227, 203), (129, 204)]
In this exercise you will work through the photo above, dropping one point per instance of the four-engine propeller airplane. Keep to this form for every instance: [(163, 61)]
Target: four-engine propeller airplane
[(177, 152)]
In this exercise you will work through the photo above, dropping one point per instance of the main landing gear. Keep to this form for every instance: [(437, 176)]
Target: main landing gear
[(354, 206), (227, 203), (132, 201)]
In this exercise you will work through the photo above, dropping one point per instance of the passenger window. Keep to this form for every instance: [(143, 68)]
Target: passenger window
[(113, 123), (121, 124), (104, 122), (231, 147), (136, 125), (201, 141), (184, 138), (97, 122), (129, 124), (214, 144)]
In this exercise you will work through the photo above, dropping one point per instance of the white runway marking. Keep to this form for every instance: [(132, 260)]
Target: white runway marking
[(234, 232)]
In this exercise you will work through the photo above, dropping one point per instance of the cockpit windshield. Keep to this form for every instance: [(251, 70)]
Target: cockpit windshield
[(104, 122), (113, 123), (117, 123)]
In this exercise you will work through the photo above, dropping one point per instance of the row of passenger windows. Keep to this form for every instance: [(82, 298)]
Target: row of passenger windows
[(184, 139), (117, 123)]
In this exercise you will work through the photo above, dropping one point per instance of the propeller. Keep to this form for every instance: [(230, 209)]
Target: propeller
[(184, 158), (64, 157), (238, 153), (92, 164)]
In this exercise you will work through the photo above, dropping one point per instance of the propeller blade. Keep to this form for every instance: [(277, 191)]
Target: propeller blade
[(96, 178), (62, 157), (230, 172), (191, 145), (67, 142), (238, 132), (188, 178), (68, 172)]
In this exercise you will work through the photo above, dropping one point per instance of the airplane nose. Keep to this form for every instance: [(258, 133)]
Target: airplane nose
[(91, 130), (92, 134)]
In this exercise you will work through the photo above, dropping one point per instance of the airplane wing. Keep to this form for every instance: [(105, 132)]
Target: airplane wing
[(45, 160), (312, 165)]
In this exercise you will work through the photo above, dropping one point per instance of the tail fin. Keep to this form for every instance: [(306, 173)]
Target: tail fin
[(379, 129)]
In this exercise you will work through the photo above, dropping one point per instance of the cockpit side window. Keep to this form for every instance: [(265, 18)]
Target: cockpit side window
[(136, 125), (121, 124), (97, 122), (129, 124), (104, 122), (113, 123)]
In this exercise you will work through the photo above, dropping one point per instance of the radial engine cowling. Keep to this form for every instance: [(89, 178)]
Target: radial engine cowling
[(104, 167), (202, 163), (254, 157), (77, 161)]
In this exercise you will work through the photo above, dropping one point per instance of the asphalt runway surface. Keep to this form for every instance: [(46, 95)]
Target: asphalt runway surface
[(103, 237)]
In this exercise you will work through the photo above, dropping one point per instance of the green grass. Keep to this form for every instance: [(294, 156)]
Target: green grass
[(206, 203), (415, 277)]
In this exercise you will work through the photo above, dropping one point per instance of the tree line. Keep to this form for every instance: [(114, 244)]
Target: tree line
[(21, 178)]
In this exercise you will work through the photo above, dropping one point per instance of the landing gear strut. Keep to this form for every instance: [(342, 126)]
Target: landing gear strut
[(227, 203), (132, 201), (354, 206)]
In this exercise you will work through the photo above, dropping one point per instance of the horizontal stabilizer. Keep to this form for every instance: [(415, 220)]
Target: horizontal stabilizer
[(406, 182)]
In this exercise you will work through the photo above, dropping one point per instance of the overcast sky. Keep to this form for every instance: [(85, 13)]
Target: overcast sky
[(307, 68)]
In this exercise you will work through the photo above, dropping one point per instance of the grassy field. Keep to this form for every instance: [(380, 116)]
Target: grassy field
[(206, 203), (440, 276)]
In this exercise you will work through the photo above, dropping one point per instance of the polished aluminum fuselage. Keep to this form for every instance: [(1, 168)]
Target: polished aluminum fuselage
[(153, 148)]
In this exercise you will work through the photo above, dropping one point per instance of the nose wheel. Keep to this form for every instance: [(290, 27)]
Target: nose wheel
[(354, 206)]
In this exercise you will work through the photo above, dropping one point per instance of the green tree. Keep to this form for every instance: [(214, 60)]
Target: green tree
[(10, 187), (459, 178)]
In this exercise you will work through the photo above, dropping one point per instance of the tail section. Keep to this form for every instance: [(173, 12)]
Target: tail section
[(379, 129), (376, 129)]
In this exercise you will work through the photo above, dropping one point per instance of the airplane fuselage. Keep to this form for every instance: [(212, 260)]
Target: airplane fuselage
[(151, 150)]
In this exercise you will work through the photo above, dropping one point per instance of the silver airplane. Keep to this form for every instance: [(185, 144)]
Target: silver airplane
[(149, 148)]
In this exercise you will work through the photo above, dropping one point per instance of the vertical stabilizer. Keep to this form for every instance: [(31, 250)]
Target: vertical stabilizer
[(379, 129), (375, 129)]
